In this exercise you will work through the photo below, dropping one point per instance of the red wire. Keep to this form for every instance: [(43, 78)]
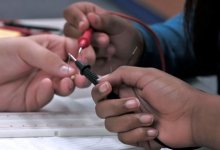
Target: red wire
[(156, 39)]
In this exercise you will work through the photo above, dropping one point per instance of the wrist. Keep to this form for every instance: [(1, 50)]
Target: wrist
[(153, 53), (205, 122)]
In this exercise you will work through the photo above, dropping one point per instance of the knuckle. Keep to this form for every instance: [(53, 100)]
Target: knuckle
[(124, 139), (99, 112), (132, 136), (109, 126), (131, 121), (141, 132)]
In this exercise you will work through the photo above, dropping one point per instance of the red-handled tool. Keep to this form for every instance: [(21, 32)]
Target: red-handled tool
[(85, 40)]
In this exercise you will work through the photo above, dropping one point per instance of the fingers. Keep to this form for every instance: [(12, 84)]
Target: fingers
[(142, 134), (117, 112), (133, 121), (62, 45), (116, 107), (100, 40), (37, 56), (101, 91), (44, 94), (59, 45), (134, 76), (39, 94), (83, 15), (63, 87), (136, 129), (76, 14), (132, 128), (113, 107), (81, 81), (70, 31), (107, 23)]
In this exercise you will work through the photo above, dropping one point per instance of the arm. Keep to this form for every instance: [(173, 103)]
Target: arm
[(178, 54)]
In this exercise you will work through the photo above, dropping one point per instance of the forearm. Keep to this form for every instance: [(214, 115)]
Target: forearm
[(206, 122), (177, 52)]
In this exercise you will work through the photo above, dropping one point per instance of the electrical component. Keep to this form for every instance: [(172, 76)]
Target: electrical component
[(91, 76), (85, 40)]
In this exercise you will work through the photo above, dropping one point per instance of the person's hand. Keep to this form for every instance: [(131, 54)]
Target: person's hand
[(114, 38), (171, 101), (33, 70)]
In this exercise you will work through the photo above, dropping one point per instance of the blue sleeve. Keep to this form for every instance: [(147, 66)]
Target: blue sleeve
[(178, 54)]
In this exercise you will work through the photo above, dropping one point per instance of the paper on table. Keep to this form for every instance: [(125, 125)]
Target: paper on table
[(50, 124), (69, 116), (61, 143), (60, 110)]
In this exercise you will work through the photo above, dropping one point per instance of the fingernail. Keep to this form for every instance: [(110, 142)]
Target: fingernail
[(152, 132), (146, 119), (132, 104), (67, 70), (104, 87)]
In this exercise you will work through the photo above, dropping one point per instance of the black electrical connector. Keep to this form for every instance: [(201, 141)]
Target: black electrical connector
[(91, 76)]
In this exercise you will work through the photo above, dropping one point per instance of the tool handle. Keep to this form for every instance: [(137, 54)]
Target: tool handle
[(85, 40), (85, 70), (92, 77)]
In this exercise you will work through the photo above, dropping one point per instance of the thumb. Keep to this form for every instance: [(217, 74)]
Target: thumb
[(129, 76), (138, 78), (38, 56)]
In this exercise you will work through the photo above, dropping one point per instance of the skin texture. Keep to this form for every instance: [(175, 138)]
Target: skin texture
[(33, 70), (110, 35), (177, 110)]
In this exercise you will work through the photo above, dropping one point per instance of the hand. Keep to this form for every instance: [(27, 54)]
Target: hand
[(132, 128), (171, 101), (114, 39), (33, 70)]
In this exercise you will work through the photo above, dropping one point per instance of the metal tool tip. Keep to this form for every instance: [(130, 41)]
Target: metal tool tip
[(72, 57), (80, 50)]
